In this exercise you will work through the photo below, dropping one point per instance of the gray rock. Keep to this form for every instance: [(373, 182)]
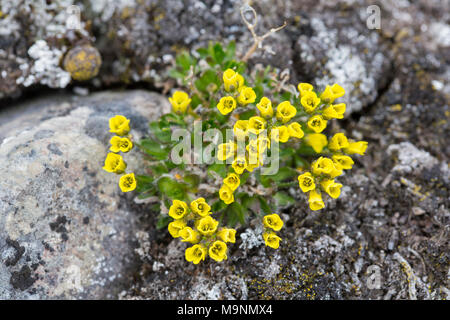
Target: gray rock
[(65, 229), (322, 43)]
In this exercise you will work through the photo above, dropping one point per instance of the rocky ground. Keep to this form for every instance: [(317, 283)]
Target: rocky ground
[(66, 231)]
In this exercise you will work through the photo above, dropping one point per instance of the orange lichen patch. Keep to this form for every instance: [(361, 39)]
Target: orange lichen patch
[(82, 62)]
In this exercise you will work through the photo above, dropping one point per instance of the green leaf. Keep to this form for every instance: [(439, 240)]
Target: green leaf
[(144, 179), (300, 162), (173, 118), (203, 52), (243, 177), (235, 213), (283, 173), (230, 51), (264, 205), (154, 149), (171, 188), (163, 221), (192, 181), (147, 194), (184, 60), (161, 130), (218, 206), (282, 199), (160, 168), (208, 77), (174, 73), (235, 65), (144, 183), (219, 168), (218, 54), (247, 114), (247, 202)]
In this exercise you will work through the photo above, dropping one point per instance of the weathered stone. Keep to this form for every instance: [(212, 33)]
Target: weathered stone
[(65, 229)]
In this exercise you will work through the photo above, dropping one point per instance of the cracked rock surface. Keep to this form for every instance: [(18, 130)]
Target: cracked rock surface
[(66, 231), (386, 237)]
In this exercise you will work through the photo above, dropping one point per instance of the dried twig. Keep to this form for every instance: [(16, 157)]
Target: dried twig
[(257, 40)]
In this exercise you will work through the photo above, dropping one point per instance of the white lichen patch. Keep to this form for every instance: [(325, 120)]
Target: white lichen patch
[(107, 7), (45, 68), (343, 62), (410, 158), (251, 238)]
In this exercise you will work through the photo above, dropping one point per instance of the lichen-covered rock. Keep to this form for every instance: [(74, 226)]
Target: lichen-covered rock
[(138, 40), (66, 230), (82, 62)]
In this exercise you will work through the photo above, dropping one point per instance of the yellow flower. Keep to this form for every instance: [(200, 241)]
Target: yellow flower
[(207, 225), (178, 209), (345, 162), (332, 93), (332, 188), (227, 235), (239, 165), (218, 250), (322, 165), (337, 171), (295, 130), (310, 101), (280, 134), (180, 101), (200, 207), (240, 129), (253, 162), (120, 144), (285, 111), (317, 141), (356, 147), (114, 163), (127, 182), (256, 124), (317, 123), (232, 181), (304, 88), (119, 125), (226, 105), (271, 240), (273, 221), (334, 111), (189, 235), (232, 80), (265, 107), (195, 253), (315, 200), (226, 194), (226, 150), (246, 95), (175, 227), (306, 182), (337, 142)]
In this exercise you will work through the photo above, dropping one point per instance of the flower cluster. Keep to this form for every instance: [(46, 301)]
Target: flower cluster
[(324, 169), (252, 137), (272, 223), (274, 136), (120, 143), (195, 225)]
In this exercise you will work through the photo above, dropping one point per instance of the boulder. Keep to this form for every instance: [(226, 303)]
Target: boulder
[(66, 230)]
